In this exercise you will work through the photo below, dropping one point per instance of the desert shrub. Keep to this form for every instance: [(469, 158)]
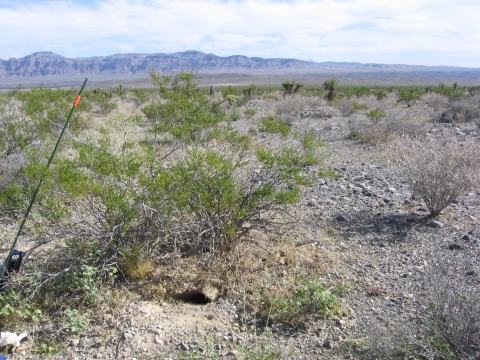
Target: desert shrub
[(235, 114), (461, 111), (434, 100), (186, 187), (74, 322), (346, 107), (360, 106), (301, 302), (451, 324), (250, 112), (409, 95), (289, 104), (15, 309), (379, 93), (184, 112), (383, 129), (230, 90), (439, 170), (139, 96), (376, 114), (30, 122), (274, 126)]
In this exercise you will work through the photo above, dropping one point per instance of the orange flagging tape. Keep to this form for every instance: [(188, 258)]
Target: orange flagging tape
[(77, 100)]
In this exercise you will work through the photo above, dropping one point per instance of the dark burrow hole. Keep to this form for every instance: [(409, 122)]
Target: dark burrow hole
[(192, 297)]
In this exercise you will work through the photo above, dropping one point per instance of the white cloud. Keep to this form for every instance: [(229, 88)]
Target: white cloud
[(409, 31)]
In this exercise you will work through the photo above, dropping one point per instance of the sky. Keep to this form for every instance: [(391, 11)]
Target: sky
[(415, 32)]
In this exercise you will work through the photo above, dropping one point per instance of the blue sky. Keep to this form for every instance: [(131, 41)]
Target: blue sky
[(423, 32)]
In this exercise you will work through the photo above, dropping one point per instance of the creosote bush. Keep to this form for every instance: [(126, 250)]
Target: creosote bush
[(172, 180), (438, 170), (186, 188), (274, 126)]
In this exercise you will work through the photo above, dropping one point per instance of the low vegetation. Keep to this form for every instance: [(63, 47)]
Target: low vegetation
[(156, 185)]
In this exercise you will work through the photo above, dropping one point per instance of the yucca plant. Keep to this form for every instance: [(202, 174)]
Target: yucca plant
[(288, 86), (330, 86), (297, 87)]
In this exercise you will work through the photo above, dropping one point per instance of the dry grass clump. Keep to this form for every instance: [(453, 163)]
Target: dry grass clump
[(439, 170), (434, 100), (346, 106), (137, 269), (382, 129), (290, 103), (453, 324)]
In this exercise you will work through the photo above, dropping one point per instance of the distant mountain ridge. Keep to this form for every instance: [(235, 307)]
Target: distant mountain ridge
[(48, 64)]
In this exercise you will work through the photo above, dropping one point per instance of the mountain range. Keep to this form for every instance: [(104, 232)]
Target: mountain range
[(46, 64)]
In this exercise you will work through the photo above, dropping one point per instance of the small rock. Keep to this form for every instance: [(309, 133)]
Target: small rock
[(154, 330), (467, 237), (313, 202), (157, 341), (127, 336), (327, 344), (436, 224), (344, 217), (74, 342), (341, 323), (470, 273), (183, 346), (48, 328), (456, 246)]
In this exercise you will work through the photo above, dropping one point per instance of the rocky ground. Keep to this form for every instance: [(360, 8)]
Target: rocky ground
[(387, 254)]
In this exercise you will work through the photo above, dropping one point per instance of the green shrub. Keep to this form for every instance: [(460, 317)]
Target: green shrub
[(49, 348), (185, 187), (235, 115), (409, 95), (274, 126), (380, 93), (16, 309), (359, 106), (250, 112), (305, 302), (74, 322), (376, 114)]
